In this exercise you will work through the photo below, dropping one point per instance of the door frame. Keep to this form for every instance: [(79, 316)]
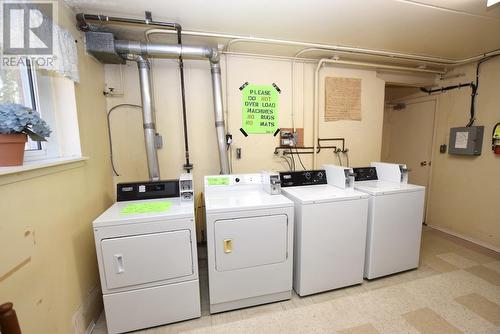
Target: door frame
[(423, 99)]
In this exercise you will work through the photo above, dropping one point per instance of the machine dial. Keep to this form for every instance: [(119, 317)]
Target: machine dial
[(307, 175), (320, 175)]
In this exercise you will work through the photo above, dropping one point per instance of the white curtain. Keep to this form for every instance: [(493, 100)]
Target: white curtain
[(65, 54)]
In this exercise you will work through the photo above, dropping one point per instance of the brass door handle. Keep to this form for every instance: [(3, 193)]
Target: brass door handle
[(228, 245)]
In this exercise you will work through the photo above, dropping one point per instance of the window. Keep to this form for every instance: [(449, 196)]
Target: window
[(50, 95), (20, 86)]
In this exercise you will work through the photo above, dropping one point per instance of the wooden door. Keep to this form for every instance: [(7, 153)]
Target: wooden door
[(409, 134)]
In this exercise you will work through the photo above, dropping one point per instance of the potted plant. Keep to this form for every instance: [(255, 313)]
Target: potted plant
[(16, 123)]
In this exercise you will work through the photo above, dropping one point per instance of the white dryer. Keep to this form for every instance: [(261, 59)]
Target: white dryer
[(146, 251), (330, 232), (394, 223), (249, 242)]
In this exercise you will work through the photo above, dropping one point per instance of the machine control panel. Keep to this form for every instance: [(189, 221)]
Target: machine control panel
[(365, 174), (303, 178), (147, 190), (271, 182), (186, 187), (232, 180)]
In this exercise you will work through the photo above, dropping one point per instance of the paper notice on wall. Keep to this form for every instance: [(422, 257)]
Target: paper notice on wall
[(260, 107), (461, 139), (342, 99)]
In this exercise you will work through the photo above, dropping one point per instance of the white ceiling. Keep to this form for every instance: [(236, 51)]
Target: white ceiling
[(441, 28)]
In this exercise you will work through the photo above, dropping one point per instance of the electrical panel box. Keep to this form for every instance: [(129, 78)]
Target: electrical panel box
[(466, 140)]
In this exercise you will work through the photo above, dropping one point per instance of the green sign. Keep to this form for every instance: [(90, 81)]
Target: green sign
[(260, 106), (218, 181), (147, 207)]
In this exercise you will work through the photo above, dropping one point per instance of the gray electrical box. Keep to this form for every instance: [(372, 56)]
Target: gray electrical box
[(466, 140)]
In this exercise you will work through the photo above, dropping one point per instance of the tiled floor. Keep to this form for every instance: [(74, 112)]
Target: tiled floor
[(456, 289)]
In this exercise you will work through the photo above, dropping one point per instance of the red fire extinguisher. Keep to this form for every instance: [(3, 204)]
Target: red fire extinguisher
[(495, 139)]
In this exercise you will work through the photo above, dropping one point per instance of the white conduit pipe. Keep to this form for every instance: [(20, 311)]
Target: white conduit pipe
[(174, 51), (398, 55), (326, 47)]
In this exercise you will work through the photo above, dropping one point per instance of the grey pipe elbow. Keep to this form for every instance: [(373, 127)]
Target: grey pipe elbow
[(214, 56)]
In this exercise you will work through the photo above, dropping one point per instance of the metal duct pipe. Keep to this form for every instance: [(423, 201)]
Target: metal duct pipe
[(174, 51), (165, 50), (219, 116), (148, 119)]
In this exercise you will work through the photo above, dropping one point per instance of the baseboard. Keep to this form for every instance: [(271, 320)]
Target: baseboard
[(464, 237), (90, 327), (87, 313)]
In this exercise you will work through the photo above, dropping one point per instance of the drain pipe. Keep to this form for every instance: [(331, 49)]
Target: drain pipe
[(148, 119), (174, 51)]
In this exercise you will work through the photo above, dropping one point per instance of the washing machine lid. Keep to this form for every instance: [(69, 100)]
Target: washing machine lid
[(321, 194), (384, 187), (133, 211), (239, 200)]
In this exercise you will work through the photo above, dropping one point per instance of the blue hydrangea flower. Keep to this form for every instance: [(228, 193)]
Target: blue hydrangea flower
[(16, 118)]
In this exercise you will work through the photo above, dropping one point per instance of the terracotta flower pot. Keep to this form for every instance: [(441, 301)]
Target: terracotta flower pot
[(12, 149)]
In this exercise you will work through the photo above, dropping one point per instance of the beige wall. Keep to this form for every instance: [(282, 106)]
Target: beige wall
[(464, 190), (362, 138), (45, 226)]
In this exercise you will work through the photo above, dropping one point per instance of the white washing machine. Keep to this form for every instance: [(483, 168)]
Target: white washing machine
[(146, 251), (394, 223), (249, 242), (330, 232)]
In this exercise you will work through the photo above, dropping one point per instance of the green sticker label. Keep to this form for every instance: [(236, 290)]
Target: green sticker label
[(147, 207), (218, 181), (260, 107)]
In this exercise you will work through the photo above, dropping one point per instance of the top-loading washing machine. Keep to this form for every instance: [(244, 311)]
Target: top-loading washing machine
[(146, 251), (249, 241), (394, 221), (330, 231)]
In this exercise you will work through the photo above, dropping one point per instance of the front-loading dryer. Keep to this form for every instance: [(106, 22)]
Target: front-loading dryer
[(147, 257), (249, 242)]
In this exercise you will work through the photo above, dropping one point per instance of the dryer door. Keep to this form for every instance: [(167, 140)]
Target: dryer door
[(250, 242), (147, 258)]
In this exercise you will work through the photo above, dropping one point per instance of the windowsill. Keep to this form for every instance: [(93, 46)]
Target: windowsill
[(31, 169)]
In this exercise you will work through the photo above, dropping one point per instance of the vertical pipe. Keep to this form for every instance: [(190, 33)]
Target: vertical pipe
[(148, 117), (316, 112), (219, 115), (187, 165)]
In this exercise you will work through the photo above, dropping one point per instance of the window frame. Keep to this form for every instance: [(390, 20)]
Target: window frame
[(30, 92), (53, 98)]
